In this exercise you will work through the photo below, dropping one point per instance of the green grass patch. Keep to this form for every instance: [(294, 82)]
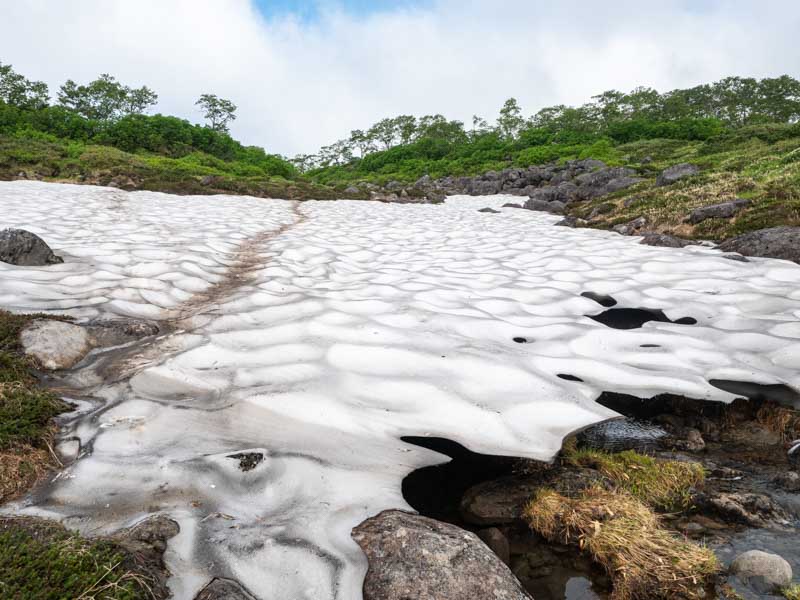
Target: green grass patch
[(41, 561), (662, 484)]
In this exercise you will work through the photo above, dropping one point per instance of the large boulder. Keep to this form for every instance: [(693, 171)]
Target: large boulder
[(55, 344), (411, 556), (605, 181), (25, 249), (555, 207), (763, 571), (675, 173), (775, 242), (723, 210)]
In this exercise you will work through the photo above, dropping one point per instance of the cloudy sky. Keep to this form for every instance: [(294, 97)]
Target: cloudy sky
[(305, 73)]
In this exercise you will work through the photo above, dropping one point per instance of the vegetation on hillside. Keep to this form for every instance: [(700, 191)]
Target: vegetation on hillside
[(98, 133), (405, 148)]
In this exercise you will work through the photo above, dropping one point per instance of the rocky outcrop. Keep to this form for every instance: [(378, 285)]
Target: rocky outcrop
[(632, 227), (499, 501), (723, 210), (763, 571), (55, 344), (25, 249), (675, 173), (411, 556), (775, 242)]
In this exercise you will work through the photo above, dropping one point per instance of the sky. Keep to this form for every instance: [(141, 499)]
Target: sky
[(304, 74)]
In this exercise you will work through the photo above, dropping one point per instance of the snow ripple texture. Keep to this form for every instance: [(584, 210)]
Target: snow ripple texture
[(365, 323)]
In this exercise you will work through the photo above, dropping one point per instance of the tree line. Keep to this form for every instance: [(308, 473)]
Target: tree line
[(694, 113), (104, 100)]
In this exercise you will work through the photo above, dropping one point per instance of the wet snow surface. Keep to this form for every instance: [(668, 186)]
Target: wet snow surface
[(268, 423)]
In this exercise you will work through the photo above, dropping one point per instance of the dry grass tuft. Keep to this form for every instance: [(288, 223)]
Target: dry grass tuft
[(624, 536), (663, 484), (780, 419), (20, 468)]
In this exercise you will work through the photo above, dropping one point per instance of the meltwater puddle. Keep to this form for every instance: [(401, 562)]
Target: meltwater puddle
[(269, 424)]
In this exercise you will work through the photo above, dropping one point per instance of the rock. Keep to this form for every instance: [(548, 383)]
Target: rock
[(498, 502), (724, 210), (113, 332), (152, 533), (794, 454), (224, 589), (663, 239), (570, 221), (756, 510), (351, 189), (551, 207), (631, 227), (55, 344), (423, 181), (488, 210), (775, 242), (676, 173), (25, 249), (693, 442), (762, 571), (411, 556), (600, 210), (617, 435), (497, 542), (511, 205), (789, 480), (207, 180)]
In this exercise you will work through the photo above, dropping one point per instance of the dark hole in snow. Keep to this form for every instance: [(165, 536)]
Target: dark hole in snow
[(569, 377), (247, 460), (647, 408), (776, 392), (649, 346), (633, 318), (436, 491), (601, 299), (521, 340)]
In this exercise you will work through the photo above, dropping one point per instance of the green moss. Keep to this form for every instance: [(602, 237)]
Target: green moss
[(662, 484), (792, 592), (44, 562)]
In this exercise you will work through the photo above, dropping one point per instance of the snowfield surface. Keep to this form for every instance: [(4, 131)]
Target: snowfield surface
[(363, 322)]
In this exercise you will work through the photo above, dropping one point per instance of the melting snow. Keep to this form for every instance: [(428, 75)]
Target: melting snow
[(365, 322)]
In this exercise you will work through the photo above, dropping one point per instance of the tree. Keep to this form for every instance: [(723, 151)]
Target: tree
[(406, 127), (18, 91), (105, 99), (510, 121), (217, 111), (363, 141)]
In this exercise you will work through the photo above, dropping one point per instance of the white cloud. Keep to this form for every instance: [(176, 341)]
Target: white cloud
[(303, 84)]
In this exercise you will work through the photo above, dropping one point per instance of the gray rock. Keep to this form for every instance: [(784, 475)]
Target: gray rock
[(411, 556), (25, 249), (631, 227), (511, 205), (570, 221), (775, 242), (762, 571), (497, 542), (499, 501), (224, 589), (207, 180), (153, 533), (351, 189), (676, 173), (618, 435), (423, 181), (488, 210), (664, 240), (755, 510), (554, 207), (394, 186), (55, 344), (789, 480), (724, 210)]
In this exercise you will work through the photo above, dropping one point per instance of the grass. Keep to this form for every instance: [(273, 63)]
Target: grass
[(26, 413), (760, 164), (54, 159), (663, 484), (792, 592), (623, 535), (40, 560)]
